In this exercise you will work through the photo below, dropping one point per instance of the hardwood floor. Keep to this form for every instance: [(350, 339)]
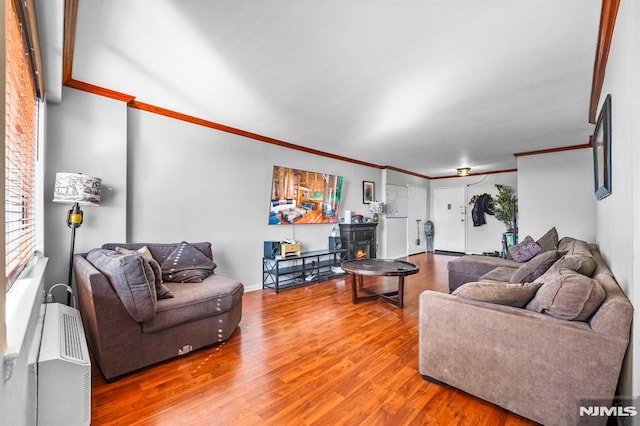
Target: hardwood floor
[(305, 356)]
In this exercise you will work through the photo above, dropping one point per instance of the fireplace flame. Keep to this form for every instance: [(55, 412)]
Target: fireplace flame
[(361, 254)]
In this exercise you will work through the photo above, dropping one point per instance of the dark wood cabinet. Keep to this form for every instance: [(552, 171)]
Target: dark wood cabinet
[(359, 237)]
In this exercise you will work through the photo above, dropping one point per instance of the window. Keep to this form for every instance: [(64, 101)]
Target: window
[(21, 125)]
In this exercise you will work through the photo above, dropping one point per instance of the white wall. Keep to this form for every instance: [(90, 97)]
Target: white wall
[(393, 232), (556, 189), (174, 181), (618, 216), (486, 237), (85, 134)]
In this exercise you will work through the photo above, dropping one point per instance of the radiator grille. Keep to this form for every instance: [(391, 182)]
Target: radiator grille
[(86, 411), (72, 337), (64, 369)]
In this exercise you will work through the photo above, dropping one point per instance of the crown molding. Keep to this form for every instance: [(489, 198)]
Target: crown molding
[(608, 16), (475, 174), (558, 149), (69, 38), (607, 22), (97, 90)]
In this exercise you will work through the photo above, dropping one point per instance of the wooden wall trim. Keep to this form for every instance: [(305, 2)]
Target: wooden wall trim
[(476, 174), (607, 22), (605, 35), (228, 129), (132, 103), (69, 38), (407, 172), (97, 90), (551, 150)]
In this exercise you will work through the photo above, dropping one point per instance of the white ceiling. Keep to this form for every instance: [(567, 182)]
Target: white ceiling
[(421, 85)]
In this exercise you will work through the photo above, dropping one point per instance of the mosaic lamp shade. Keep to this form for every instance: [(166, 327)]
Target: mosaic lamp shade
[(77, 188)]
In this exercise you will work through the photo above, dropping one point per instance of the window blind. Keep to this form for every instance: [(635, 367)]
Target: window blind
[(21, 118)]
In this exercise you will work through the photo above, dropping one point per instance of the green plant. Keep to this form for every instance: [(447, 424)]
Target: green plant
[(505, 206)]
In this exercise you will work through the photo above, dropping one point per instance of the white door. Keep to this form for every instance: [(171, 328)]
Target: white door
[(449, 216), (416, 219)]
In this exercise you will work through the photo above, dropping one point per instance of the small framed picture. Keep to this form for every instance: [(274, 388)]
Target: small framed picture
[(368, 192), (601, 141)]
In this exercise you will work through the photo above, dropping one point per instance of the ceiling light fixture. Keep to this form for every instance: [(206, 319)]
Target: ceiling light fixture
[(464, 171)]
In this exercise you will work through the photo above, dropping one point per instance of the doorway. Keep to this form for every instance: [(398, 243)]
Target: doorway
[(449, 219)]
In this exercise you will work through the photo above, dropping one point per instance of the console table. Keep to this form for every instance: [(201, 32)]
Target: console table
[(294, 271)]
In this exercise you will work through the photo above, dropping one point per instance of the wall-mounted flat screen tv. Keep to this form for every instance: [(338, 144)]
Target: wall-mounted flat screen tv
[(301, 197)]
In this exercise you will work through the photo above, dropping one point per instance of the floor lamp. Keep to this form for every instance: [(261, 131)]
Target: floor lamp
[(77, 189)]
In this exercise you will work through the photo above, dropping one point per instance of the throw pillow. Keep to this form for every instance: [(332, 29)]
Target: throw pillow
[(549, 241), (535, 267), (131, 278), (187, 264), (517, 295), (580, 263), (574, 246), (525, 250), (162, 291), (568, 295)]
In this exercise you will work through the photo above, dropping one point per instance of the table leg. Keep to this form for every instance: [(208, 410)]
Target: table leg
[(354, 291), (401, 291)]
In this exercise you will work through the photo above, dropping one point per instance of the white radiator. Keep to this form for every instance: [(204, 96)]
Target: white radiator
[(64, 369)]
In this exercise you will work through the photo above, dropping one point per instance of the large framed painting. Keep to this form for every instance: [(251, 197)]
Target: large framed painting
[(601, 142), (304, 197)]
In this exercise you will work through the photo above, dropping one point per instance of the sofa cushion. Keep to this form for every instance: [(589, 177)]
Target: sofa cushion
[(549, 241), (213, 296), (571, 245), (535, 267), (517, 295), (162, 291), (131, 278), (187, 264), (525, 250), (478, 265), (580, 263), (499, 274), (568, 295)]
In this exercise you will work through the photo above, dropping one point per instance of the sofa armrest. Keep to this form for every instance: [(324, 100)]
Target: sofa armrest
[(529, 363), (470, 268), (111, 332)]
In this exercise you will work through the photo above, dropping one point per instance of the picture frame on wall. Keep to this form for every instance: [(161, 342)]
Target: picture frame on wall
[(368, 192), (601, 142)]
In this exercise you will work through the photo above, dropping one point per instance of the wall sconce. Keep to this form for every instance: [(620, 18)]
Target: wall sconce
[(464, 171), (76, 188)]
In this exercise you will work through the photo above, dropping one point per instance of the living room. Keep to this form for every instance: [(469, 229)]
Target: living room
[(170, 176)]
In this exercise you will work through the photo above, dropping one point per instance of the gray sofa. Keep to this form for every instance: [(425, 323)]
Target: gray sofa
[(539, 358), (470, 268), (130, 326)]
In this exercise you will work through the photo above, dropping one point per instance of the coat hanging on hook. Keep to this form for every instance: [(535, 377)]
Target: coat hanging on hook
[(483, 204)]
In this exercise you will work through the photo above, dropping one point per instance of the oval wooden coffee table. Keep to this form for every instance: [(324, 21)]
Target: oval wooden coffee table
[(378, 267)]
